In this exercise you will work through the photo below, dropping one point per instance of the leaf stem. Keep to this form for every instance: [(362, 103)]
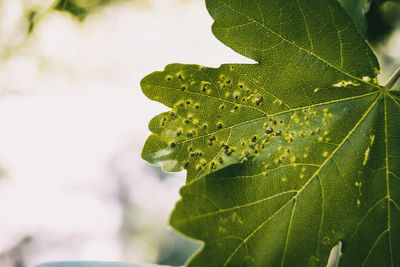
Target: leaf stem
[(393, 80)]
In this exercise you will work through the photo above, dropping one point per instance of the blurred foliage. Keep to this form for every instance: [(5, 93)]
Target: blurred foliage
[(382, 18), (20, 18), (375, 19), (81, 8), (31, 20), (357, 9), (73, 8)]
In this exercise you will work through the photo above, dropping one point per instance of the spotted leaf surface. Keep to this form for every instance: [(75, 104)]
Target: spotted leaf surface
[(287, 158)]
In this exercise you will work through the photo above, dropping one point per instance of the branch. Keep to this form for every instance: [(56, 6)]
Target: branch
[(393, 80)]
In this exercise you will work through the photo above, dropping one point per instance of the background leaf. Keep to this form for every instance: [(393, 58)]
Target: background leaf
[(81, 8), (382, 20), (73, 8), (357, 10)]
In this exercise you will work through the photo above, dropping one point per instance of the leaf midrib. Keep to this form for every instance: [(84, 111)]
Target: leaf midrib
[(388, 197), (387, 180)]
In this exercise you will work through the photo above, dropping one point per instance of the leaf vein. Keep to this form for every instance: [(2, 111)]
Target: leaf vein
[(365, 216), (288, 232), (305, 24), (235, 207)]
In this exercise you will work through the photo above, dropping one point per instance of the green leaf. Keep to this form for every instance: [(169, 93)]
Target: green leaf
[(289, 157), (357, 9)]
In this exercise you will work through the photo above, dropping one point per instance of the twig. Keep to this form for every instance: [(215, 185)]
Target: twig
[(393, 80)]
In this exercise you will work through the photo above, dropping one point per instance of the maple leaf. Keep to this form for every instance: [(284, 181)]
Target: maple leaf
[(288, 158)]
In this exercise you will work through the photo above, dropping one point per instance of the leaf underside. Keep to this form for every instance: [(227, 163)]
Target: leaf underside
[(287, 157), (94, 264)]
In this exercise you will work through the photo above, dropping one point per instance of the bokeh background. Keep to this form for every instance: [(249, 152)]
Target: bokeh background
[(73, 122)]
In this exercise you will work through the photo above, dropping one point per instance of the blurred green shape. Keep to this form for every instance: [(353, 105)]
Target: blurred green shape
[(374, 19), (73, 7), (357, 9), (93, 264), (31, 20), (382, 19)]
